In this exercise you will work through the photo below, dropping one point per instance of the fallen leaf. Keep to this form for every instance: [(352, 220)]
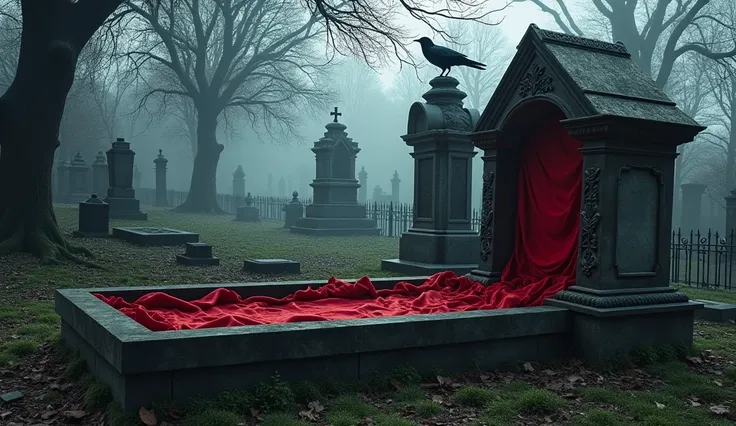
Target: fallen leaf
[(718, 382), (5, 414), (549, 372), (444, 381), (719, 409), (573, 379), (148, 417), (694, 403), (660, 406), (437, 399), (316, 406), (174, 414), (528, 367), (308, 415), (694, 359), (548, 419), (73, 414)]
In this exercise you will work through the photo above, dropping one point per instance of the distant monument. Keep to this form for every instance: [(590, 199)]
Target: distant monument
[(335, 209)]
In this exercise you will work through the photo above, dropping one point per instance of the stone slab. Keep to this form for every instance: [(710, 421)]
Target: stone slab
[(200, 250), (197, 261), (271, 266), (418, 268), (151, 236), (716, 311), (203, 362)]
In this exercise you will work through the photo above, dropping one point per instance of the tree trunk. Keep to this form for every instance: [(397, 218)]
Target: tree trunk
[(202, 196), (30, 116)]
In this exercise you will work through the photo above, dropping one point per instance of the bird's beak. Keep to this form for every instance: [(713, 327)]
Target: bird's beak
[(417, 41)]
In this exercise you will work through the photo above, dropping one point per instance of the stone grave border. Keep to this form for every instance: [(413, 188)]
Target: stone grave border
[(142, 366), (173, 237)]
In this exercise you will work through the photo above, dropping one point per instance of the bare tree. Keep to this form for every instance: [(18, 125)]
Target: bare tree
[(54, 34), (484, 44)]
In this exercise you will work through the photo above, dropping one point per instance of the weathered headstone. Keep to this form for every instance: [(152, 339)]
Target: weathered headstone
[(692, 202), (730, 215), (363, 190), (151, 236), (248, 212), (282, 187), (395, 186), (335, 209), (161, 190), (79, 182), (293, 210), (197, 254), (94, 218), (62, 181), (378, 195), (120, 194), (441, 237), (100, 174), (239, 185), (271, 266), (629, 131)]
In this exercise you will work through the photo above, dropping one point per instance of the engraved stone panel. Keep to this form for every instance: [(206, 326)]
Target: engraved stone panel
[(341, 162), (637, 220), (425, 174), (458, 188)]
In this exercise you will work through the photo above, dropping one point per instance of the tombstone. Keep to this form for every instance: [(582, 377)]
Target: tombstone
[(271, 266), (100, 175), (629, 131), (270, 185), (94, 218), (363, 190), (79, 183), (442, 236), (248, 212), (692, 202), (282, 187), (161, 191), (136, 178), (293, 210), (395, 182), (730, 215), (197, 254), (120, 194), (62, 181), (239, 185), (378, 195), (335, 209)]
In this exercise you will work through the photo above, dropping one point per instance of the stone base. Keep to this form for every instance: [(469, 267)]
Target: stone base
[(271, 266), (417, 268), (197, 261), (83, 234), (716, 311), (605, 326), (440, 247), (335, 226), (125, 209), (247, 214)]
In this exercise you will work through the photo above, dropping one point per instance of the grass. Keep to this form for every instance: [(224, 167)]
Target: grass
[(675, 392)]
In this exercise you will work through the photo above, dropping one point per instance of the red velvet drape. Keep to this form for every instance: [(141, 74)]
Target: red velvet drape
[(543, 263)]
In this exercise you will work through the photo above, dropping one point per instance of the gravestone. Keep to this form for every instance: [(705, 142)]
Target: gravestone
[(151, 236), (79, 183), (378, 195), (395, 186), (239, 185), (248, 212), (730, 215), (363, 190), (282, 187), (629, 130), (94, 218), (441, 237), (293, 210), (62, 181), (100, 175), (161, 192), (197, 254), (271, 266), (692, 202), (335, 209), (120, 194)]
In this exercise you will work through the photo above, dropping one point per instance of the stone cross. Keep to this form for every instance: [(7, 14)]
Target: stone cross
[(336, 114)]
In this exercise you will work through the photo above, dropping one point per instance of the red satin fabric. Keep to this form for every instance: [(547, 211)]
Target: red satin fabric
[(542, 264)]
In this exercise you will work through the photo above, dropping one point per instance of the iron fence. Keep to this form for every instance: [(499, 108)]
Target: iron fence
[(703, 259)]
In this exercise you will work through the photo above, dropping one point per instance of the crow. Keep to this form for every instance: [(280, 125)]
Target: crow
[(445, 58)]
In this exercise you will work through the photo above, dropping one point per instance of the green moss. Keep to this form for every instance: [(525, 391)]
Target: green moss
[(427, 409), (409, 394), (474, 396), (538, 402), (352, 405), (97, 396)]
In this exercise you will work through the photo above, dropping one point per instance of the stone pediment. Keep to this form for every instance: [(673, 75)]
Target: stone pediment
[(334, 136), (584, 77)]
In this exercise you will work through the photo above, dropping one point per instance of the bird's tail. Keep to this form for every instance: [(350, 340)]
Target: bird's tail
[(473, 64)]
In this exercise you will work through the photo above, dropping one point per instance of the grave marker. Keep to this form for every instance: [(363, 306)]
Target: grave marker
[(94, 218), (120, 194), (161, 193), (150, 236), (293, 210), (248, 212), (271, 266), (197, 254)]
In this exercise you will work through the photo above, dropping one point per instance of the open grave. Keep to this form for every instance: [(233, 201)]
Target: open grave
[(578, 148)]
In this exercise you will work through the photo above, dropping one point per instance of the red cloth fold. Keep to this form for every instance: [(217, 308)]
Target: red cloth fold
[(543, 263)]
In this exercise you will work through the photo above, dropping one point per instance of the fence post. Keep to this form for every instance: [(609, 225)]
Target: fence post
[(391, 219)]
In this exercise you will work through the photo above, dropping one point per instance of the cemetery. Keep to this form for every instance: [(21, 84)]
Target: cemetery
[(555, 304)]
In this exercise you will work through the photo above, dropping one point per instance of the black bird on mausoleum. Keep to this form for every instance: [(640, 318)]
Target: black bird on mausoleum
[(445, 58)]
